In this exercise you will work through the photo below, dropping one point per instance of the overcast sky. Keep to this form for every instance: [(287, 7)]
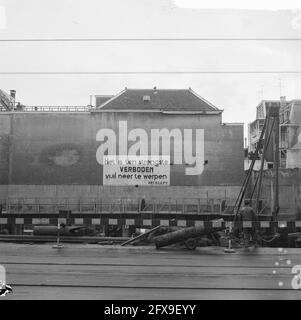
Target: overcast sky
[(238, 95)]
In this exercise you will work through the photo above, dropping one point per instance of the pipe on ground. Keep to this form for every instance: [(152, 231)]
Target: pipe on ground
[(182, 235)]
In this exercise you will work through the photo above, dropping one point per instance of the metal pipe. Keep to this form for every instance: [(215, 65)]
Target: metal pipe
[(276, 166), (182, 235)]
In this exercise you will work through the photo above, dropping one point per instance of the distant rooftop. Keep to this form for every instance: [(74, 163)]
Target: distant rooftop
[(101, 99), (159, 99), (156, 100), (261, 109)]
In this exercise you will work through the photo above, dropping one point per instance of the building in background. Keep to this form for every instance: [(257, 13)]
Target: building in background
[(254, 132), (7, 101), (290, 134), (290, 138), (51, 152)]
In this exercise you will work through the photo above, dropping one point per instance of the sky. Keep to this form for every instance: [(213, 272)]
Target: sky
[(238, 4), (238, 95)]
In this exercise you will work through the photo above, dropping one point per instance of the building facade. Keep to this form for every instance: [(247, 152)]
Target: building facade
[(57, 153), (290, 134), (290, 138)]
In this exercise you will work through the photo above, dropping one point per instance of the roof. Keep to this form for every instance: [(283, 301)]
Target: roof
[(101, 99), (159, 99)]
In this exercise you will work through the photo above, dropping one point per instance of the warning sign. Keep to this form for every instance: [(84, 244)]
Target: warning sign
[(136, 170)]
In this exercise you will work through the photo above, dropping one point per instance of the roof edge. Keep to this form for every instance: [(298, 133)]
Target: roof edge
[(158, 111), (113, 98), (200, 97), (216, 110)]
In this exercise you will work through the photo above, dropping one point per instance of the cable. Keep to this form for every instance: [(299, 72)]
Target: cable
[(142, 39), (144, 72)]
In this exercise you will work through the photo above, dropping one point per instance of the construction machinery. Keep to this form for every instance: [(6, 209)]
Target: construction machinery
[(191, 237), (7, 102), (268, 143), (188, 236)]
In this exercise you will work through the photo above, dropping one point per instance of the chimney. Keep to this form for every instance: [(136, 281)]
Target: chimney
[(13, 94)]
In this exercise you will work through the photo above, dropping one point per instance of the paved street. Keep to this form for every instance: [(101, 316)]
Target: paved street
[(114, 272)]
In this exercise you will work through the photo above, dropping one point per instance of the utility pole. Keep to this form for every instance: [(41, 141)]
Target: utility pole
[(276, 162), (274, 113)]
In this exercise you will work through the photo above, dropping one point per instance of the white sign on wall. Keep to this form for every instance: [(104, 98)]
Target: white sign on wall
[(136, 170)]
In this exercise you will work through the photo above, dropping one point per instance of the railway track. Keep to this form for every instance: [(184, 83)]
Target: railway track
[(113, 272)]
